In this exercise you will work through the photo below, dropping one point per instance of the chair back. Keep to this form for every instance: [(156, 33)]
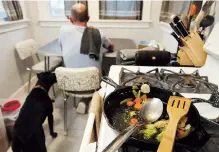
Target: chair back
[(26, 48), (78, 79)]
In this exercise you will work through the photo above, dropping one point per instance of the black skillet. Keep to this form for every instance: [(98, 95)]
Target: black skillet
[(113, 112)]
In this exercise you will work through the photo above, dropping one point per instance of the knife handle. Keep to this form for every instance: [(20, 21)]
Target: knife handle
[(183, 28), (175, 29), (177, 38)]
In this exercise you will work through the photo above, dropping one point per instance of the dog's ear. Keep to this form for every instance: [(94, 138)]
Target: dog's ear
[(38, 75), (42, 75)]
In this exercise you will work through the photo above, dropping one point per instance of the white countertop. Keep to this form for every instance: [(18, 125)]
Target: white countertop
[(210, 69)]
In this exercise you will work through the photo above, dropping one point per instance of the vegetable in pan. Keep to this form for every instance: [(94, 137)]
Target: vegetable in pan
[(159, 136), (156, 129), (130, 103), (184, 133), (135, 93), (135, 87), (145, 88), (149, 132), (133, 121), (132, 114), (125, 100)]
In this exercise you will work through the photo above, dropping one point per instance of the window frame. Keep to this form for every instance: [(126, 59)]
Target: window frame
[(8, 26), (47, 20), (121, 18)]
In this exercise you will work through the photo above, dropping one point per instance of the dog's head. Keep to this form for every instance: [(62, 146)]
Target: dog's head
[(46, 79)]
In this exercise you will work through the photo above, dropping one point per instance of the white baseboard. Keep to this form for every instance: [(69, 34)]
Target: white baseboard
[(21, 93)]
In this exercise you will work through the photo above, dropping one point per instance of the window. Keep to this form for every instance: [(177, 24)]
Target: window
[(3, 15), (57, 8), (128, 10), (62, 7)]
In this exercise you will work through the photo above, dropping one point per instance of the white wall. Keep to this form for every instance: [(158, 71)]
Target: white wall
[(46, 28), (13, 74), (217, 12)]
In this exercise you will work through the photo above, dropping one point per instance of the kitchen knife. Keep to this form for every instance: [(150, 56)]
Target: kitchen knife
[(180, 26), (177, 38), (176, 30)]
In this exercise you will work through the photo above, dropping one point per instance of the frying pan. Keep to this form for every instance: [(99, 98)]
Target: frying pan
[(113, 112)]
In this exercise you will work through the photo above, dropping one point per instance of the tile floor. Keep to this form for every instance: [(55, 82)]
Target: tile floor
[(76, 125)]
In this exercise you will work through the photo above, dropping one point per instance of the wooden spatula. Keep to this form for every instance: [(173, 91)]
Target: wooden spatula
[(177, 108)]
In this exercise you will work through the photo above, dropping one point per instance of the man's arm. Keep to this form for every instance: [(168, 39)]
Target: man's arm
[(107, 43), (51, 122)]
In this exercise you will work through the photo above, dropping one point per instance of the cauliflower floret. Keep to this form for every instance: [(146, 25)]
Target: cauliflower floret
[(145, 88)]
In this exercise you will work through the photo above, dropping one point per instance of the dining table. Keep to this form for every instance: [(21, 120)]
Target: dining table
[(52, 49)]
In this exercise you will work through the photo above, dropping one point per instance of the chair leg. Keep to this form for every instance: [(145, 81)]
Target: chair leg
[(38, 58), (74, 101), (54, 93), (29, 80), (65, 113)]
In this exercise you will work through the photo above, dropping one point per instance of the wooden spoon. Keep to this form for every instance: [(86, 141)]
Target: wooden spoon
[(177, 107)]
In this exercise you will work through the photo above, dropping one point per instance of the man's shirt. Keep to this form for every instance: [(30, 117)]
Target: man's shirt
[(70, 41)]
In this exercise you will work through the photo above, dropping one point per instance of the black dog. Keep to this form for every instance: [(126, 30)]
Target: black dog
[(28, 130)]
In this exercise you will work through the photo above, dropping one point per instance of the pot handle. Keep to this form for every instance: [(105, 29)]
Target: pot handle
[(121, 138), (109, 81)]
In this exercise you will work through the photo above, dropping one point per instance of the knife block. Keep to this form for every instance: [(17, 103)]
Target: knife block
[(193, 49), (183, 59)]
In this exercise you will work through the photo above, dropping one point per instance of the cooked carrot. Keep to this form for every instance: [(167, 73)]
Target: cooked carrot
[(138, 106), (130, 103), (144, 97), (133, 121), (138, 100), (180, 132)]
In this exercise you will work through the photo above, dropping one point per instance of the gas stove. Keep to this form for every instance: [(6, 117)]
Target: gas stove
[(183, 83), (180, 82)]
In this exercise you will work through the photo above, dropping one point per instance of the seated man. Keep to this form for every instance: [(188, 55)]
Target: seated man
[(71, 40)]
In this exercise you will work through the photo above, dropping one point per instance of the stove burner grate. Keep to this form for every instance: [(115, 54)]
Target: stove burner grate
[(167, 79)]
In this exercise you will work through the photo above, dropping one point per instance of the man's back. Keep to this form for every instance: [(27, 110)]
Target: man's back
[(70, 40)]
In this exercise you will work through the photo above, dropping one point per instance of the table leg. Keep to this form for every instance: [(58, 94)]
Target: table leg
[(48, 60), (45, 63), (48, 69), (65, 112)]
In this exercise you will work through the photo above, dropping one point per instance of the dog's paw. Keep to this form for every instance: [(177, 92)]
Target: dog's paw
[(54, 135)]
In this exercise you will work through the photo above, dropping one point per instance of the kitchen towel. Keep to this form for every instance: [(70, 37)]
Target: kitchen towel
[(91, 43)]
